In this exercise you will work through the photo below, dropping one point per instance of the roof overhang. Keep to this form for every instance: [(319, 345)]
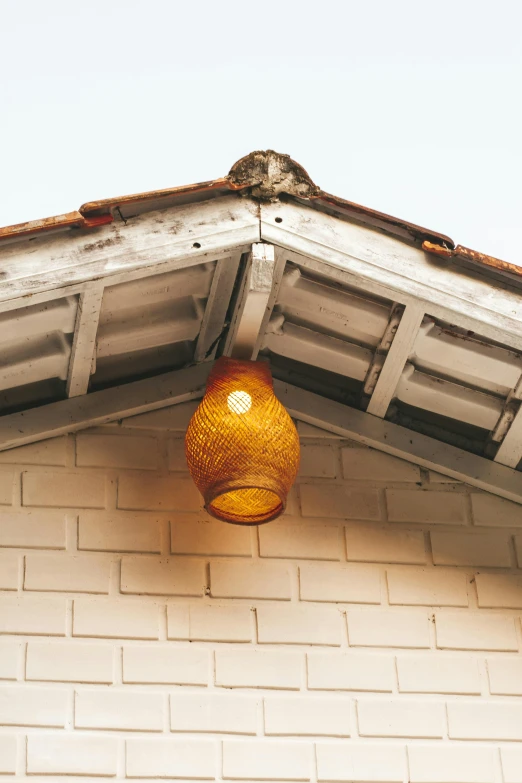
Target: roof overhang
[(378, 330)]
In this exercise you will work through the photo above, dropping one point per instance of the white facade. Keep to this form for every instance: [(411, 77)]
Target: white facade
[(372, 633)]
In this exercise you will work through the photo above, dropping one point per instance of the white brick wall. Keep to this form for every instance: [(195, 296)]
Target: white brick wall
[(372, 634)]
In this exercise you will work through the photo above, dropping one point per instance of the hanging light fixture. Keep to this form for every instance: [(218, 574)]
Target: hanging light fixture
[(241, 445)]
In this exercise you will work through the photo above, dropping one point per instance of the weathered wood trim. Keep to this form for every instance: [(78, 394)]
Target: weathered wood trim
[(389, 267), (396, 358), (217, 305), (401, 442), (91, 410), (279, 268), (84, 342), (150, 243), (252, 301), (510, 450)]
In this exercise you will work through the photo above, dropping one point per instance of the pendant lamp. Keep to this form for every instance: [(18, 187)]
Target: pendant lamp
[(241, 445)]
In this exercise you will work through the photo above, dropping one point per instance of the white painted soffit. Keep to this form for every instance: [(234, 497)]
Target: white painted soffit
[(153, 292)]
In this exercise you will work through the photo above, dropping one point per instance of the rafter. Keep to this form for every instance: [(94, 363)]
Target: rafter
[(254, 294), (217, 306), (395, 360), (83, 352), (510, 450), (96, 408), (401, 442)]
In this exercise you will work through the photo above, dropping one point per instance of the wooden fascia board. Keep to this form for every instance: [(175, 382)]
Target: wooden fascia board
[(101, 407), (389, 267), (401, 442), (49, 266)]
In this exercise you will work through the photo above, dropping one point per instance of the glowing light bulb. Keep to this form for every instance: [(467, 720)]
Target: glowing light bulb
[(239, 401)]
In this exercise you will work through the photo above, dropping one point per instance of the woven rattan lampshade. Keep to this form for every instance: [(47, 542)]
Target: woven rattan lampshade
[(242, 446)]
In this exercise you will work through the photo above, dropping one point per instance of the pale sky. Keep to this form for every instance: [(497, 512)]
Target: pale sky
[(409, 107)]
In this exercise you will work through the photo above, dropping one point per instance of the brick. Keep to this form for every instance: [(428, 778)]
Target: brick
[(345, 584), (114, 532), (249, 580), (172, 418), (29, 706), (167, 665), (126, 710), (438, 674), (27, 615), (209, 623), (339, 502), (170, 576), (152, 493), (423, 506), (10, 653), (298, 625), (116, 451), (307, 717), (76, 574), (6, 488), (209, 538), (485, 720), (115, 619), (499, 591), (71, 755), (451, 764), (393, 718), (7, 754), (491, 511), (32, 529), (378, 545), (177, 460), (307, 542), (70, 490), (171, 758), (46, 452), (334, 672), (427, 586), (218, 713), (9, 569), (512, 764), (318, 461), (468, 549), (258, 669), (371, 465), (475, 631), (505, 676), (387, 629), (266, 760), (69, 662), (366, 763)]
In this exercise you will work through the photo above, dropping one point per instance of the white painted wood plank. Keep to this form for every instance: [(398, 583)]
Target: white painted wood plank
[(159, 241), (91, 410), (140, 273), (252, 301), (84, 342), (401, 272), (510, 450), (279, 268), (395, 361), (217, 306), (400, 442), (373, 288)]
